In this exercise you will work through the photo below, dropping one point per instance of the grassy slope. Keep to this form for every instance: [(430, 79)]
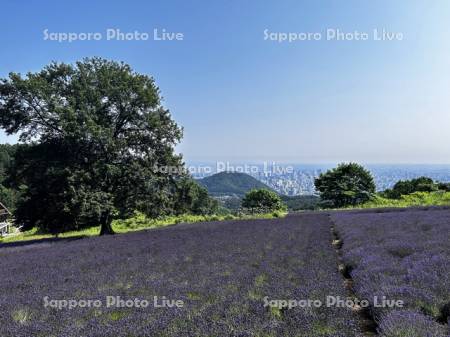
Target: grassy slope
[(138, 222), (415, 199)]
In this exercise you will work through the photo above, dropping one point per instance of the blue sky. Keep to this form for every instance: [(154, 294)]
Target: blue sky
[(240, 97)]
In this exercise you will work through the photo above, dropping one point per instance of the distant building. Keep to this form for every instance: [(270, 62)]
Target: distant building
[(4, 219)]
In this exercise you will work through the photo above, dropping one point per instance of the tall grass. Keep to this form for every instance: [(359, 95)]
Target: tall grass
[(140, 222)]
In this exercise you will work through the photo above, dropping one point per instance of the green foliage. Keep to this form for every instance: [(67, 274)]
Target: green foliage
[(192, 198), (8, 197), (140, 221), (8, 194), (444, 187), (6, 158), (232, 203), (347, 185), (293, 203), (96, 130), (262, 199), (422, 184), (231, 183), (439, 198), (301, 202)]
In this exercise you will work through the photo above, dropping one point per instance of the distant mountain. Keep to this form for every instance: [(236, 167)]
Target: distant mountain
[(231, 183)]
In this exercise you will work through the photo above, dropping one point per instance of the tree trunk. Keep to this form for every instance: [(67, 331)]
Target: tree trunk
[(105, 224)]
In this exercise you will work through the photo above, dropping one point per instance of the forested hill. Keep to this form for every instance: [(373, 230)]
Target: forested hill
[(231, 183)]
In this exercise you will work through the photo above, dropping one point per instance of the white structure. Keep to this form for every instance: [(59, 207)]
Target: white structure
[(5, 214)]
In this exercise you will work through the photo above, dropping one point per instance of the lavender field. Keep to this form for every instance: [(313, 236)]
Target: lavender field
[(401, 255), (228, 276), (224, 272)]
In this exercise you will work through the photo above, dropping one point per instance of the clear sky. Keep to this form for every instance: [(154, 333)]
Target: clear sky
[(241, 97)]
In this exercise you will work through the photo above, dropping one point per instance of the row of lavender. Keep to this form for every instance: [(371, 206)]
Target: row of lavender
[(222, 272), (400, 256)]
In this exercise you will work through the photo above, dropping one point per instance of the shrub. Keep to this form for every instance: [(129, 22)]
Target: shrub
[(406, 187), (262, 200)]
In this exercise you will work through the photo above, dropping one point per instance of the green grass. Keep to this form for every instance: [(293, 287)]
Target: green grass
[(21, 316), (412, 200), (138, 222)]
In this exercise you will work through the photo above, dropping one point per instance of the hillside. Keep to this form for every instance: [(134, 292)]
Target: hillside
[(231, 183)]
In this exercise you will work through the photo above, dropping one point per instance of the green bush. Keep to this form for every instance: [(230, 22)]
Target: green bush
[(406, 187), (439, 198), (262, 201)]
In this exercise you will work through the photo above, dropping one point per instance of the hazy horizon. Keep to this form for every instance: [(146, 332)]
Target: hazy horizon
[(310, 163)]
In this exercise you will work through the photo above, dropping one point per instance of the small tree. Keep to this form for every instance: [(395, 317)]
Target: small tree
[(347, 185), (263, 199)]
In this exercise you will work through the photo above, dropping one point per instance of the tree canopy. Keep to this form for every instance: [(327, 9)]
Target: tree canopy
[(96, 131), (263, 200), (347, 185), (8, 195), (406, 187)]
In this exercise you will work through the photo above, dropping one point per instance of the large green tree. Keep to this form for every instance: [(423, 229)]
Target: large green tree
[(98, 134), (347, 185)]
